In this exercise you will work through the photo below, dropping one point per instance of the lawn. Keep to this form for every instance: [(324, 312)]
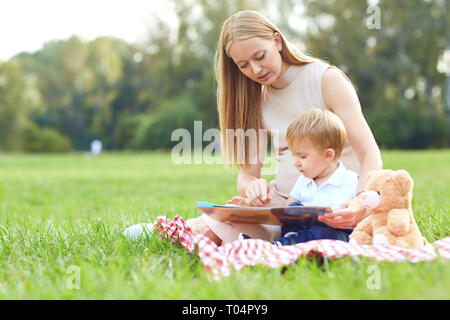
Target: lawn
[(61, 218)]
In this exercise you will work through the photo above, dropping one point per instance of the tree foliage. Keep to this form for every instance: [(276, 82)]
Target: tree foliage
[(132, 96)]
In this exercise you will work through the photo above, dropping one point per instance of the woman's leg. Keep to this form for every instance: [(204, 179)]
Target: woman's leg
[(145, 230), (225, 232), (216, 231), (199, 225), (229, 231), (221, 232)]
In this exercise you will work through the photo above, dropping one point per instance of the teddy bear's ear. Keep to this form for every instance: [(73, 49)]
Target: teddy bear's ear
[(404, 180)]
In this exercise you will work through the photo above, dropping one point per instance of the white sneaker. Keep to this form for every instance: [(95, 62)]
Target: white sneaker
[(143, 230)]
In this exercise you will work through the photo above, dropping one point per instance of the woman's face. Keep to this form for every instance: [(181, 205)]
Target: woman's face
[(259, 59)]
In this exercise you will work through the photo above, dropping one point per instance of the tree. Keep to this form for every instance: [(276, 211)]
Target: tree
[(18, 96), (393, 68)]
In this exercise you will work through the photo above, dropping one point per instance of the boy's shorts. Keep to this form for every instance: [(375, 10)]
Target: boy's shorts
[(292, 234)]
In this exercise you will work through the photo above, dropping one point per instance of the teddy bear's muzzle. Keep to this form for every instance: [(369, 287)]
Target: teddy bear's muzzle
[(370, 199)]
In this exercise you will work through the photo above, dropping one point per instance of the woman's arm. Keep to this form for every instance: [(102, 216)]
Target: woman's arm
[(255, 189), (247, 175), (250, 184), (340, 97)]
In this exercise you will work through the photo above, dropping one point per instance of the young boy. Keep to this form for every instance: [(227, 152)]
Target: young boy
[(316, 139)]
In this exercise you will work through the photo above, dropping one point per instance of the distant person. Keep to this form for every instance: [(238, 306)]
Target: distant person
[(96, 147), (265, 83)]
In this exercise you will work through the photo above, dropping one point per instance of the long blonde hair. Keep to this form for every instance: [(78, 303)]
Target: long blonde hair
[(238, 97)]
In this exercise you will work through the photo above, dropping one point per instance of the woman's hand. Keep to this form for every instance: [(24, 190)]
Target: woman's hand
[(240, 201), (259, 193), (347, 216)]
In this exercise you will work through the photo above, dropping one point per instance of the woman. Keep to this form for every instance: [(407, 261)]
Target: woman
[(265, 83)]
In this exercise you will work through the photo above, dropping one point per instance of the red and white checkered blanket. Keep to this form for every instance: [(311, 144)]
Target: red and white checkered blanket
[(220, 260)]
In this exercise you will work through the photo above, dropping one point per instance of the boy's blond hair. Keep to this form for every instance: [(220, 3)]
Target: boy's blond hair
[(323, 127)]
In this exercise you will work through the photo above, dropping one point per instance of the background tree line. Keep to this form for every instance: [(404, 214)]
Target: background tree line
[(132, 96)]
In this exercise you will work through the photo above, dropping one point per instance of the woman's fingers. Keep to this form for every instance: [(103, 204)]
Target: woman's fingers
[(243, 201), (252, 198), (235, 200), (253, 195), (258, 193), (263, 189), (257, 203), (270, 193), (240, 201)]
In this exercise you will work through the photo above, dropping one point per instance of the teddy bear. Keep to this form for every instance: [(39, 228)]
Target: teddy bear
[(390, 219)]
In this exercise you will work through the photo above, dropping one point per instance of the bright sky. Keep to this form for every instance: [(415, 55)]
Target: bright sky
[(25, 25)]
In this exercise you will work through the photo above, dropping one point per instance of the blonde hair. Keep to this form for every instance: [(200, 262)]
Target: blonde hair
[(323, 127), (238, 97)]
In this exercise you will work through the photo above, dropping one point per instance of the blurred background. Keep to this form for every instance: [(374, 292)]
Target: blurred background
[(128, 73)]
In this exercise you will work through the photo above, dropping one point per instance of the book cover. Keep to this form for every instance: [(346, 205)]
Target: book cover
[(264, 215)]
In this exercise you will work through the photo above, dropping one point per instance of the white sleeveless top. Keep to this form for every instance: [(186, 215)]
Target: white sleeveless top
[(281, 106)]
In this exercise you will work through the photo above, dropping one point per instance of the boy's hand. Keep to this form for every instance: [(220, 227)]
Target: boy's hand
[(347, 216), (342, 218)]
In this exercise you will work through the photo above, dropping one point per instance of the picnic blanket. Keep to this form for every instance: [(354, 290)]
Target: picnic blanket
[(221, 260)]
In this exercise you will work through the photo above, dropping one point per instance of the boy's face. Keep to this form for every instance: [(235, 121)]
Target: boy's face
[(310, 159)]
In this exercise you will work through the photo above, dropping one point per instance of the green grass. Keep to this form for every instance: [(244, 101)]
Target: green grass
[(62, 216)]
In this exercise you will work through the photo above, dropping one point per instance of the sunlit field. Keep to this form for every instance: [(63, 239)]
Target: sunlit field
[(61, 218)]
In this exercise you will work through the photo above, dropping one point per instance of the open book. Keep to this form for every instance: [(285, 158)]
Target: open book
[(264, 215)]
